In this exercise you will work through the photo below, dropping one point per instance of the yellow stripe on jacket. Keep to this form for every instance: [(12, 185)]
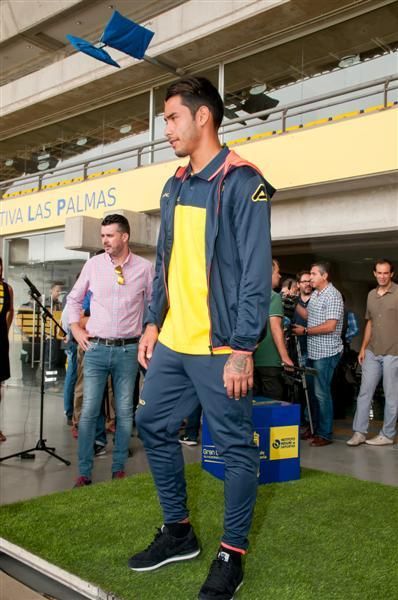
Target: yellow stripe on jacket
[(187, 325)]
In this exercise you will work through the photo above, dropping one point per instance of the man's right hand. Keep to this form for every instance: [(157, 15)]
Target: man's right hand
[(147, 344), (81, 336), (287, 362)]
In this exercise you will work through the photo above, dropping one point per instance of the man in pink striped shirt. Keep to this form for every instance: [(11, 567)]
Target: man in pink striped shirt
[(120, 284)]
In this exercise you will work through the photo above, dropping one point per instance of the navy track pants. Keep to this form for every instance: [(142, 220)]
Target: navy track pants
[(174, 385)]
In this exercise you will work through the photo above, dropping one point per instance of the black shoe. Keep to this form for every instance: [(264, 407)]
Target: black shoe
[(165, 549), (99, 449), (224, 579), (187, 441)]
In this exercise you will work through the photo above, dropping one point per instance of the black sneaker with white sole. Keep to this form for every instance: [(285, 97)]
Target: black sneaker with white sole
[(187, 441), (224, 579), (99, 449), (165, 549)]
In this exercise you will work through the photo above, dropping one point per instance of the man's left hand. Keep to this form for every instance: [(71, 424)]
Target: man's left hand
[(238, 374)]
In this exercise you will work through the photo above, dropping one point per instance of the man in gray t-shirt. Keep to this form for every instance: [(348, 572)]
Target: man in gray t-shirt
[(379, 358)]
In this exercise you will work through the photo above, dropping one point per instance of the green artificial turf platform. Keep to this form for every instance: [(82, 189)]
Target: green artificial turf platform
[(323, 537)]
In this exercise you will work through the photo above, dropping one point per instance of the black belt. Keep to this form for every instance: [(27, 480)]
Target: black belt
[(115, 341)]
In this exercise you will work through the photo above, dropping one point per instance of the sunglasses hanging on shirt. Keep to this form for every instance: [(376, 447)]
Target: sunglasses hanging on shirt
[(120, 276)]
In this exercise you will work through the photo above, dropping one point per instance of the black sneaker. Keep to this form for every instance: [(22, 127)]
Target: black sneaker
[(187, 441), (224, 579), (165, 549), (99, 449)]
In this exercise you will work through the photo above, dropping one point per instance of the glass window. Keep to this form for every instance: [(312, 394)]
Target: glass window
[(114, 128), (320, 63), (53, 270)]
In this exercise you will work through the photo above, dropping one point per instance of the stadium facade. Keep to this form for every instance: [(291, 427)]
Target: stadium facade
[(79, 138)]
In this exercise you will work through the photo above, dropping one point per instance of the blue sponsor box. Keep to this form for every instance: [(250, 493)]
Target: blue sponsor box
[(275, 431)]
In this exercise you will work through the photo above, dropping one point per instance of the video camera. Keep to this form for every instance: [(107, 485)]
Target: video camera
[(289, 305)]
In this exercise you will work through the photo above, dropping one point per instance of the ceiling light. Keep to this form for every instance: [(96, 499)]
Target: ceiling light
[(22, 165), (349, 61), (81, 141), (43, 156), (46, 163), (258, 88), (125, 128)]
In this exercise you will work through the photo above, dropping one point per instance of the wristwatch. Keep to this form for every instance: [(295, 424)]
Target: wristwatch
[(305, 331)]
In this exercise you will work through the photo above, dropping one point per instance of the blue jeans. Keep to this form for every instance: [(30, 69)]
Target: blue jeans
[(165, 401), (373, 369), (70, 378), (324, 402), (121, 363)]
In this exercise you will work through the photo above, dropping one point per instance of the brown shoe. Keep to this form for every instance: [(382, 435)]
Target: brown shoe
[(306, 434), (320, 441)]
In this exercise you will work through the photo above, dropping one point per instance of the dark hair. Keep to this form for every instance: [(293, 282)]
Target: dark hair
[(196, 92), (323, 266), (301, 273), (288, 282), (123, 224), (384, 261), (55, 283)]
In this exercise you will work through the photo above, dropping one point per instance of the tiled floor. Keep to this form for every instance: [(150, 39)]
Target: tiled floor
[(14, 590), (22, 479)]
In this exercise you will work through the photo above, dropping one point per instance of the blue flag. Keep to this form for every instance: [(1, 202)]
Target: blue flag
[(125, 35), (91, 50)]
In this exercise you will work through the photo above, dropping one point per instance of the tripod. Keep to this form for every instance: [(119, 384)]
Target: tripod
[(297, 375), (304, 384), (41, 443)]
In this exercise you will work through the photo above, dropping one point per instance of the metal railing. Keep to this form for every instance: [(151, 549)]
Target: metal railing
[(384, 85)]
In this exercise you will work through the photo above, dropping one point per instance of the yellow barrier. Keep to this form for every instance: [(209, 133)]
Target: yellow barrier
[(317, 122), (348, 115)]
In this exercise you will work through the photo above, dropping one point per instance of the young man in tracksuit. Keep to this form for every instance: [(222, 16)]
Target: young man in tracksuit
[(211, 295)]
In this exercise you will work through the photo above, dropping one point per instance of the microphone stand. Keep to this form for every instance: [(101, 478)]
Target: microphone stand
[(41, 443)]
